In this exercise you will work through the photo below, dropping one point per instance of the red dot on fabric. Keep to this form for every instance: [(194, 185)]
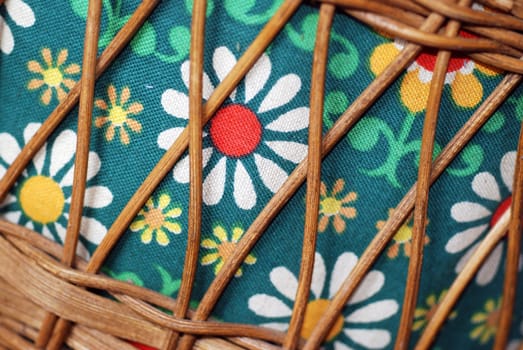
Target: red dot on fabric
[(235, 130), (141, 346), (500, 210)]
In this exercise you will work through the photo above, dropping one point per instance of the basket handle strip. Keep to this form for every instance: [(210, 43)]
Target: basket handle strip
[(414, 15), (465, 14), (504, 62), (133, 292), (72, 302), (314, 158), (124, 36), (423, 183), (195, 165), (513, 252), (413, 35)]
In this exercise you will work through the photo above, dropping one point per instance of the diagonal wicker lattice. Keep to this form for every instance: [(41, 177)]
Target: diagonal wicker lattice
[(45, 301)]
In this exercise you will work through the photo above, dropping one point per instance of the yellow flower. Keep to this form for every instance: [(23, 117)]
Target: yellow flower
[(335, 208), (54, 76), (221, 247), (403, 238), (158, 219), (423, 314), (117, 116), (486, 321), (466, 89)]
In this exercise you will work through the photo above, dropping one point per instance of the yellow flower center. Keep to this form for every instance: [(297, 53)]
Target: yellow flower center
[(117, 115), (314, 311), (225, 249), (53, 76), (330, 206), (404, 234), (42, 199), (154, 218)]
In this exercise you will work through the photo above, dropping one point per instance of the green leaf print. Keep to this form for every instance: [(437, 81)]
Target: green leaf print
[(471, 157), (518, 104), (145, 42), (341, 64), (243, 13), (336, 102)]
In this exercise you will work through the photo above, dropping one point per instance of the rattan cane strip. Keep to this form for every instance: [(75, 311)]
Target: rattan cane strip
[(422, 188), (195, 163), (312, 199), (513, 252), (86, 101)]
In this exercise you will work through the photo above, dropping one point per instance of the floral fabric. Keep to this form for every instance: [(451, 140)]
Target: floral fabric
[(250, 146)]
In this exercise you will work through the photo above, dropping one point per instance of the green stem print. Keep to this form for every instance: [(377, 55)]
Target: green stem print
[(169, 285), (145, 42), (243, 13), (341, 64), (365, 136), (115, 18)]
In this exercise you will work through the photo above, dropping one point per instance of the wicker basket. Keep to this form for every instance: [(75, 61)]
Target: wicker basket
[(49, 297)]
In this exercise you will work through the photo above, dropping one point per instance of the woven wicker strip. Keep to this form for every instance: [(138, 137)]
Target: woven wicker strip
[(49, 298)]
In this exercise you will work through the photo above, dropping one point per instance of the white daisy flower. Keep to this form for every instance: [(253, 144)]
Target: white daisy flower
[(481, 218), (237, 133), (359, 317), (22, 15), (42, 199)]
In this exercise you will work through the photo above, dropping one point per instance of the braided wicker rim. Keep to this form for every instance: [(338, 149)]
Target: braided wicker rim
[(43, 300)]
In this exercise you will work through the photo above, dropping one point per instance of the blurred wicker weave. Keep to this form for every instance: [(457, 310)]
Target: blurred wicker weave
[(44, 301)]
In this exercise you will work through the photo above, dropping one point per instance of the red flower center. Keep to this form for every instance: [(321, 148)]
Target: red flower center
[(500, 210), (235, 130), (141, 346), (428, 59)]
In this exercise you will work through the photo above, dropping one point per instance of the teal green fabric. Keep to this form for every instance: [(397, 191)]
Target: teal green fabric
[(251, 146)]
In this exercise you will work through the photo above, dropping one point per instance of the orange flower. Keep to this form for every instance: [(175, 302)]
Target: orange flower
[(466, 89), (55, 77), (337, 209), (117, 116), (486, 321)]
